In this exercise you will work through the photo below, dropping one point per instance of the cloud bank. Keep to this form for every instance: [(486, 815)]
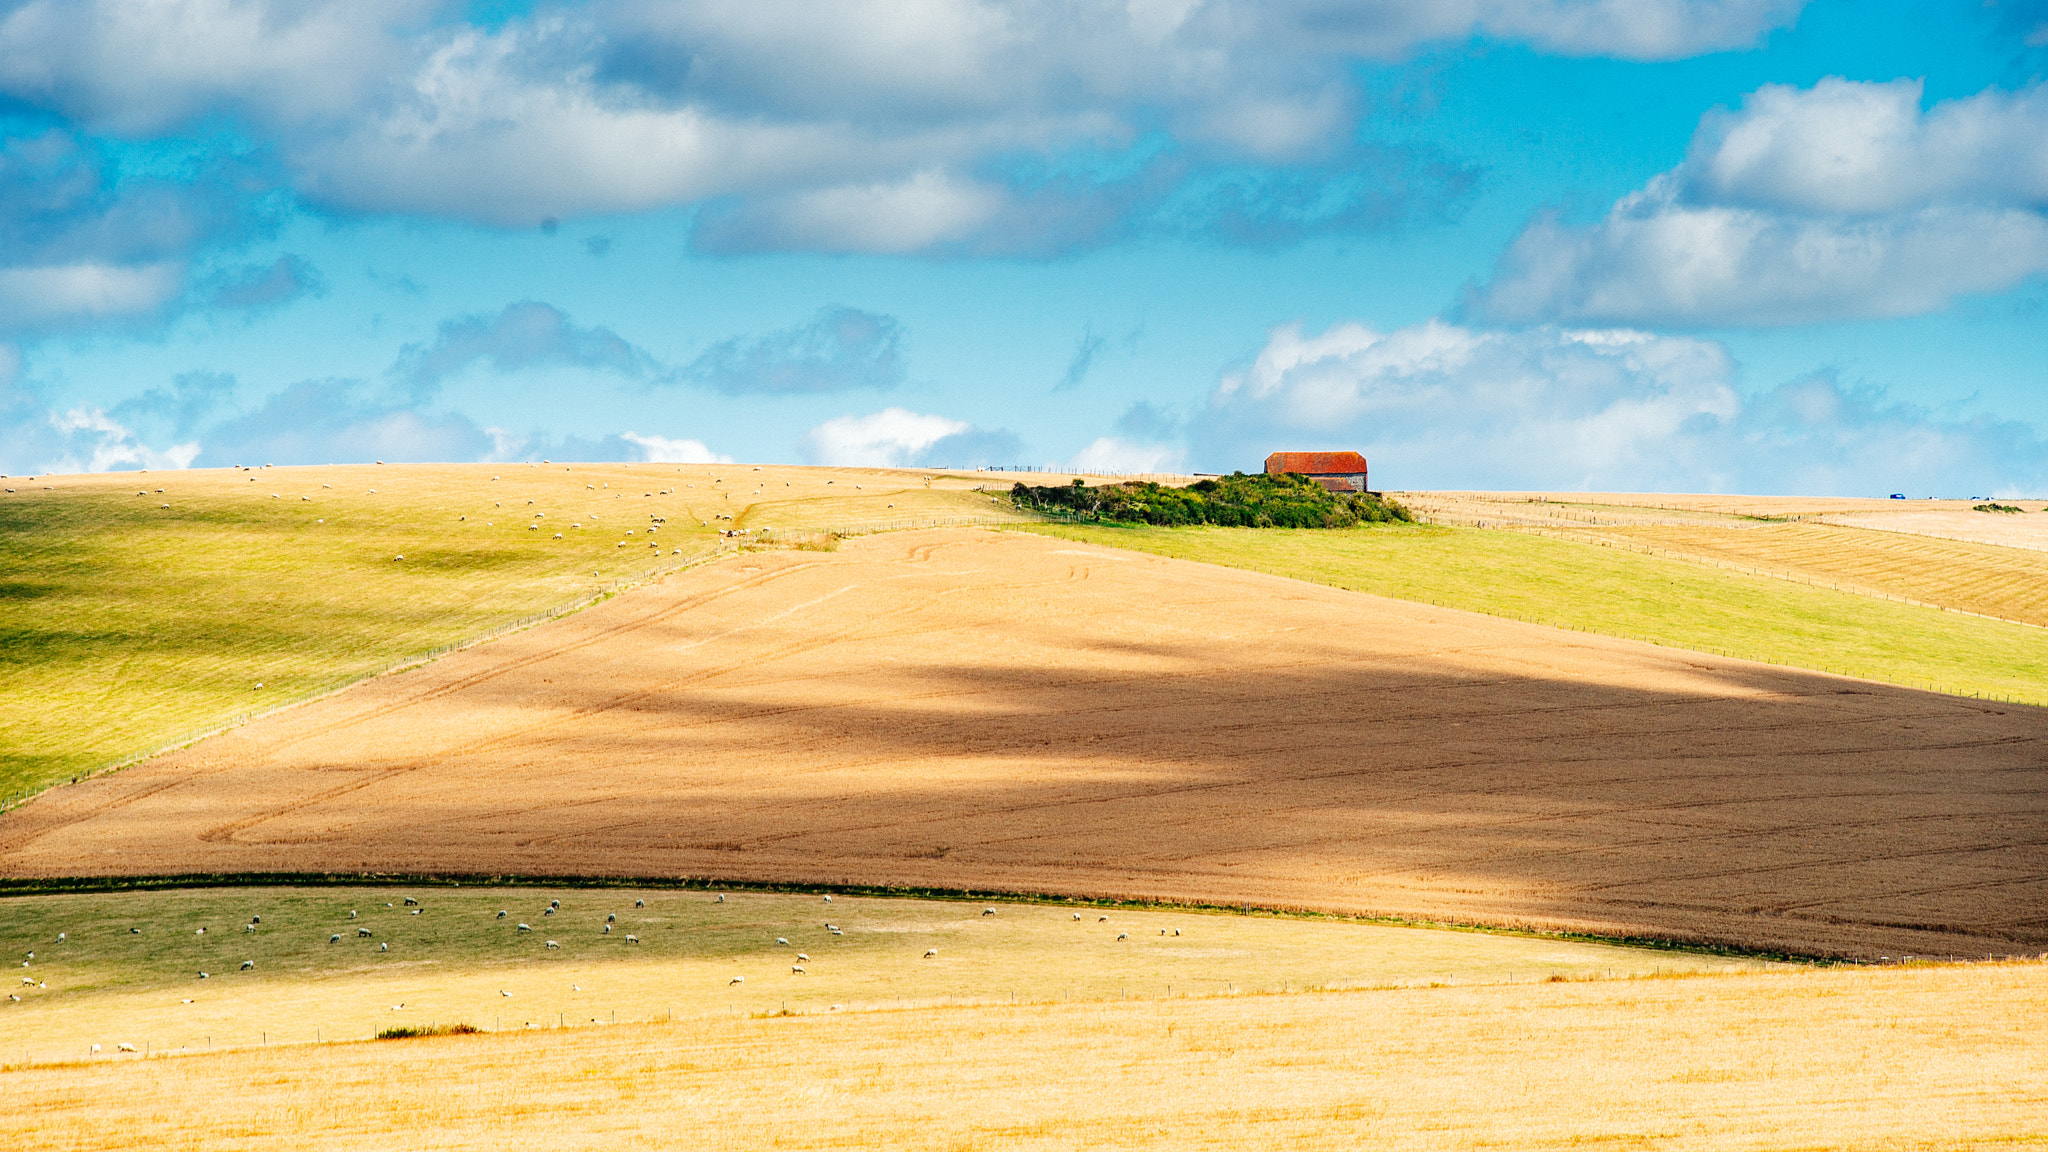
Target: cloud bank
[(975, 126), (1841, 201), (840, 349), (1439, 405), (900, 438)]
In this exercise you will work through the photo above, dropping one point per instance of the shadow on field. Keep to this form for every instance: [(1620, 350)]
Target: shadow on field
[(1134, 728)]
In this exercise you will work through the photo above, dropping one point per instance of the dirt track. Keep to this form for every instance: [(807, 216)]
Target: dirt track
[(961, 708)]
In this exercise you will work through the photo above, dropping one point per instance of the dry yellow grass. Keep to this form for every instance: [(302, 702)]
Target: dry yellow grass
[(1003, 711), (457, 961), (1934, 1058)]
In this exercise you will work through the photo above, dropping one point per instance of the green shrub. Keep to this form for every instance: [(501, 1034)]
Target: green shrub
[(1995, 508), (1234, 501)]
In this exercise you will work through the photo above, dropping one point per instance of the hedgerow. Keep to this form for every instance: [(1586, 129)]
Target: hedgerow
[(1238, 500)]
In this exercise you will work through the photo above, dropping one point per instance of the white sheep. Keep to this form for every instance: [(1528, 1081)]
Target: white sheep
[(383, 947), (124, 1048), (1077, 915), (96, 1048), (931, 953), (361, 933), (804, 958), (248, 964), (639, 903), (334, 939), (607, 930), (632, 939), (526, 927), (610, 916), (736, 980), (552, 944), (782, 940), (1123, 935), (988, 911), (797, 970), (501, 913)]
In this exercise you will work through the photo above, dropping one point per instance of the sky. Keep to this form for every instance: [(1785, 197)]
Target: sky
[(1764, 246)]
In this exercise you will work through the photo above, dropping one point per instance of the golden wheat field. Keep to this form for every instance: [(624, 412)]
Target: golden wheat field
[(965, 709), (1924, 1058)]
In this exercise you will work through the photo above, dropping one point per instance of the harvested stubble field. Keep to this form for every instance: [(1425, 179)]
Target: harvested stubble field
[(128, 968), (1813, 1060), (139, 609), (1006, 711)]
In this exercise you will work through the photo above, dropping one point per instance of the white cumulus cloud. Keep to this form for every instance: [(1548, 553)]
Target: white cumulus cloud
[(891, 438), (860, 126), (1440, 405), (662, 450), (1844, 200)]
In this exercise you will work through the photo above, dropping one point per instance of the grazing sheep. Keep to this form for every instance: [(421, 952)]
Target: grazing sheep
[(988, 911), (554, 903), (931, 953), (831, 927), (552, 944), (410, 901), (334, 939), (720, 900), (383, 947), (639, 903), (526, 927), (501, 913), (632, 939), (362, 932), (1102, 919), (1123, 935), (782, 940), (202, 976), (135, 931), (351, 913), (804, 958), (607, 930), (248, 927), (124, 1048), (1176, 931), (248, 964), (255, 919), (417, 911), (797, 970), (1077, 915), (736, 980), (502, 992), (199, 932), (96, 1048), (610, 916), (828, 899), (547, 911)]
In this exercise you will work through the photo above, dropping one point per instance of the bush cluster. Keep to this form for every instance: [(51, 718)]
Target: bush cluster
[(1996, 508), (1234, 501)]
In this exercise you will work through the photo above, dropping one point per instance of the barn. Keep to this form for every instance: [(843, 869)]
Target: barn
[(1337, 471)]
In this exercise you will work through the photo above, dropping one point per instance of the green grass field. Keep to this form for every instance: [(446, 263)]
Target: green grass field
[(1622, 593), (127, 970)]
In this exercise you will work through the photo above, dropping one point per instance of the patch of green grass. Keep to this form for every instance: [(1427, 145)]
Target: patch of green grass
[(1621, 593)]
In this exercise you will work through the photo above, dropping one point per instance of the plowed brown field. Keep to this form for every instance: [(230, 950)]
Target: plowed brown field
[(969, 709)]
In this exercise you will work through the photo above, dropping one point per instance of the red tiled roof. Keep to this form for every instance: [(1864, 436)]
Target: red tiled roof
[(1316, 463)]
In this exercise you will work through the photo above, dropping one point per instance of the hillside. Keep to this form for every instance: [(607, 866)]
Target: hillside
[(968, 709)]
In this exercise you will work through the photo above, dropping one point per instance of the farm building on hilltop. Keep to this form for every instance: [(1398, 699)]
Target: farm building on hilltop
[(1337, 471)]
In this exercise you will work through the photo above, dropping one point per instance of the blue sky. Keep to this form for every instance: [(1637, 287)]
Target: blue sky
[(1715, 245)]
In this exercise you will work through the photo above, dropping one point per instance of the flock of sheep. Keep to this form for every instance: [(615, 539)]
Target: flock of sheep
[(413, 906)]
